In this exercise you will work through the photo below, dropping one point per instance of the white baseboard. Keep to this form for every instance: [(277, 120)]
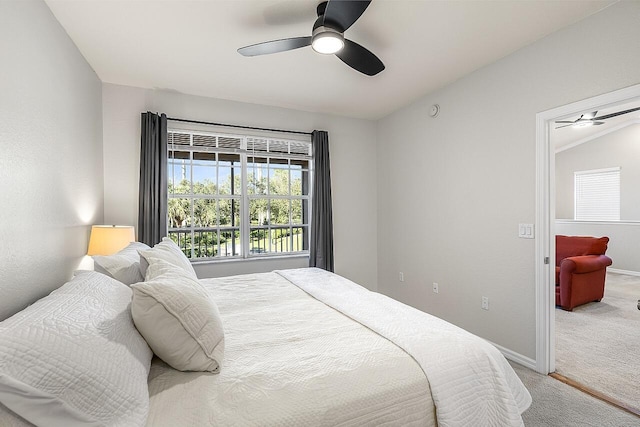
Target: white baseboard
[(627, 272), (516, 357)]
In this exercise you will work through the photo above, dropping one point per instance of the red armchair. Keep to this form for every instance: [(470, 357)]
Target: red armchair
[(581, 266)]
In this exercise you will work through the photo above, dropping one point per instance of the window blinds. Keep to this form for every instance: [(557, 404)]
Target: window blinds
[(597, 195), (251, 145)]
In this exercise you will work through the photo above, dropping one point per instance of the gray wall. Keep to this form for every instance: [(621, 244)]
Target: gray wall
[(51, 161), (353, 170), (452, 190)]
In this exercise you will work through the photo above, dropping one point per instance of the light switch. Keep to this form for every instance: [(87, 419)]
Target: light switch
[(526, 231)]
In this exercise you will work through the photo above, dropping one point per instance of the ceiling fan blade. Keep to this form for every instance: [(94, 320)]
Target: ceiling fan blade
[(598, 123), (582, 117), (343, 13), (359, 58), (619, 113), (274, 46), (560, 127)]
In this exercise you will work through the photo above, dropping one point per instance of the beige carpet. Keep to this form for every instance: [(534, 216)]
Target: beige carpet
[(556, 404), (598, 344)]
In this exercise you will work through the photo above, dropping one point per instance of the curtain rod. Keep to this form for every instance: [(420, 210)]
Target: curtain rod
[(237, 126)]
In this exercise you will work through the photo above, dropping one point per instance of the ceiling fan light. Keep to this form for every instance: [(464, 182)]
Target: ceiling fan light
[(327, 41), (583, 123)]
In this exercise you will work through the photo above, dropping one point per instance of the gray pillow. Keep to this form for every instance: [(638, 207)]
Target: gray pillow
[(123, 266), (167, 251), (178, 318)]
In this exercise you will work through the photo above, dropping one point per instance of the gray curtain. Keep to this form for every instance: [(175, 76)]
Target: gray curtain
[(321, 250), (152, 206)]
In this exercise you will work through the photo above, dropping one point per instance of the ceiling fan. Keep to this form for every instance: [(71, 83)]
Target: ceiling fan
[(590, 119), (327, 37)]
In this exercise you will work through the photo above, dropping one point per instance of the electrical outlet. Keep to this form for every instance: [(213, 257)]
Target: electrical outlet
[(435, 287), (401, 276), (485, 303)]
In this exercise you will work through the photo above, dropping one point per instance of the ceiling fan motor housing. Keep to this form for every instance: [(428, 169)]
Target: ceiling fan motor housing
[(329, 31), (321, 22)]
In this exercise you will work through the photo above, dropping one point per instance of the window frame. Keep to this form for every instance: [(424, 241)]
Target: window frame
[(245, 227)]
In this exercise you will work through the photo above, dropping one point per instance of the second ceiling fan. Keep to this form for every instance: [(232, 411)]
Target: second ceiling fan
[(334, 18), (590, 119)]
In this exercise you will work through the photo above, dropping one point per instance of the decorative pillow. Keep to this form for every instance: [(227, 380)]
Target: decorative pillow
[(178, 319), (76, 358), (167, 251), (123, 266)]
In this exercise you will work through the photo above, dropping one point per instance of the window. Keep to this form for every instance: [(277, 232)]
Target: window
[(238, 196), (597, 195)]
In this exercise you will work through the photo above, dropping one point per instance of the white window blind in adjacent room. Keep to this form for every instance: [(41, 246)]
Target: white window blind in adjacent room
[(597, 195)]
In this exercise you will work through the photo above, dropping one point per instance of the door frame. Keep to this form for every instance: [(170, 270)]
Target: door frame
[(545, 217)]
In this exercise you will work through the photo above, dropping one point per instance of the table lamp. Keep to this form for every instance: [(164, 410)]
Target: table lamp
[(109, 239)]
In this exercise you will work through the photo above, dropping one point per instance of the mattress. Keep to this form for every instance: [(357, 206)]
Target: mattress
[(290, 360)]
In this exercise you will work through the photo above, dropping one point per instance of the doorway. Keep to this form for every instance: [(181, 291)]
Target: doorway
[(546, 213)]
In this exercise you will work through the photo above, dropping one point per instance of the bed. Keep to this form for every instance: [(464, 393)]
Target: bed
[(301, 347)]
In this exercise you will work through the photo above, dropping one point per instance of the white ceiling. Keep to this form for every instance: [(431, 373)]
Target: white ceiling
[(190, 47)]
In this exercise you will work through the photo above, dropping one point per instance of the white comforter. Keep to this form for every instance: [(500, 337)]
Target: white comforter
[(291, 361), (471, 382)]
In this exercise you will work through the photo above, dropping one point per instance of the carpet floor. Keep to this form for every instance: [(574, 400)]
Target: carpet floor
[(556, 404), (598, 344)]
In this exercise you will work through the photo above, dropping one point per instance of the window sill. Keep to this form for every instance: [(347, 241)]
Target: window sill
[(573, 221), (251, 259)]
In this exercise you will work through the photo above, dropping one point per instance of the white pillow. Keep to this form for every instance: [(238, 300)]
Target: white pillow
[(167, 251), (76, 358), (123, 266), (178, 319)]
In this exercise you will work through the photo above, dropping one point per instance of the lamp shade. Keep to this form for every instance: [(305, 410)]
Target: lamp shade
[(109, 239)]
